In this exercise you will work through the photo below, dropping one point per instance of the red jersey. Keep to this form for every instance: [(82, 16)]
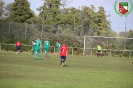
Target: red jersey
[(18, 44), (63, 50)]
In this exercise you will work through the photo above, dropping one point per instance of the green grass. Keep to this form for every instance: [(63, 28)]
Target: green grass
[(22, 71)]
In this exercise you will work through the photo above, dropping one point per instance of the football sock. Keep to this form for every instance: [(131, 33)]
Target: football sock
[(35, 55), (45, 53), (39, 55), (61, 62)]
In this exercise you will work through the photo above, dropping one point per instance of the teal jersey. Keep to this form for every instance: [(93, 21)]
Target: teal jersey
[(58, 45), (46, 43), (38, 44)]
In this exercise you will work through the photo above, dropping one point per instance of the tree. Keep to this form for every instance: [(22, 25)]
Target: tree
[(50, 11), (8, 12), (94, 23), (84, 21), (21, 12), (102, 22), (1, 8)]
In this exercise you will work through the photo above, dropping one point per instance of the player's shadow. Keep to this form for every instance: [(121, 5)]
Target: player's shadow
[(65, 65), (48, 57)]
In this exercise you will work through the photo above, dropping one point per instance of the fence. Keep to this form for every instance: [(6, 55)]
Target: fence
[(76, 50), (110, 52), (73, 34), (30, 31), (10, 47)]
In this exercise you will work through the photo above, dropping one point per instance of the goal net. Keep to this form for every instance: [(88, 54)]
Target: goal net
[(108, 44)]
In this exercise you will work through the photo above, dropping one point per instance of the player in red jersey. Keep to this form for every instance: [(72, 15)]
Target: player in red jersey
[(18, 46), (63, 53)]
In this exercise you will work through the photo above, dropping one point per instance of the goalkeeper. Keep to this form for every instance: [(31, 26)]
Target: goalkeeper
[(99, 50)]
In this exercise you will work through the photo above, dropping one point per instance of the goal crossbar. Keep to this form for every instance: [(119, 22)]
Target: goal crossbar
[(106, 37)]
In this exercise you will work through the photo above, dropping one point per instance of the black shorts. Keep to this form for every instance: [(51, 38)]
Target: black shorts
[(18, 47), (63, 57), (99, 51)]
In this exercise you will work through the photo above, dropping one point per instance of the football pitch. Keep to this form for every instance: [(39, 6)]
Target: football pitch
[(22, 71)]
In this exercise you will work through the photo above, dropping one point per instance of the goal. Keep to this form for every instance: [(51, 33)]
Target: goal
[(108, 44)]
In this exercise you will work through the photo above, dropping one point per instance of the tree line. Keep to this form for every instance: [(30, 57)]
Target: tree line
[(53, 12), (85, 20)]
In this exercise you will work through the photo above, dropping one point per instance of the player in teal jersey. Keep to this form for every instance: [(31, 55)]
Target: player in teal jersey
[(37, 47), (58, 45), (46, 47)]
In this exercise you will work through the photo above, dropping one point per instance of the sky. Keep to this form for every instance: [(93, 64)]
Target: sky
[(118, 23)]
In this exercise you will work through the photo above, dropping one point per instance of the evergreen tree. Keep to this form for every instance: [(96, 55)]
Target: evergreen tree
[(22, 12), (102, 22)]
